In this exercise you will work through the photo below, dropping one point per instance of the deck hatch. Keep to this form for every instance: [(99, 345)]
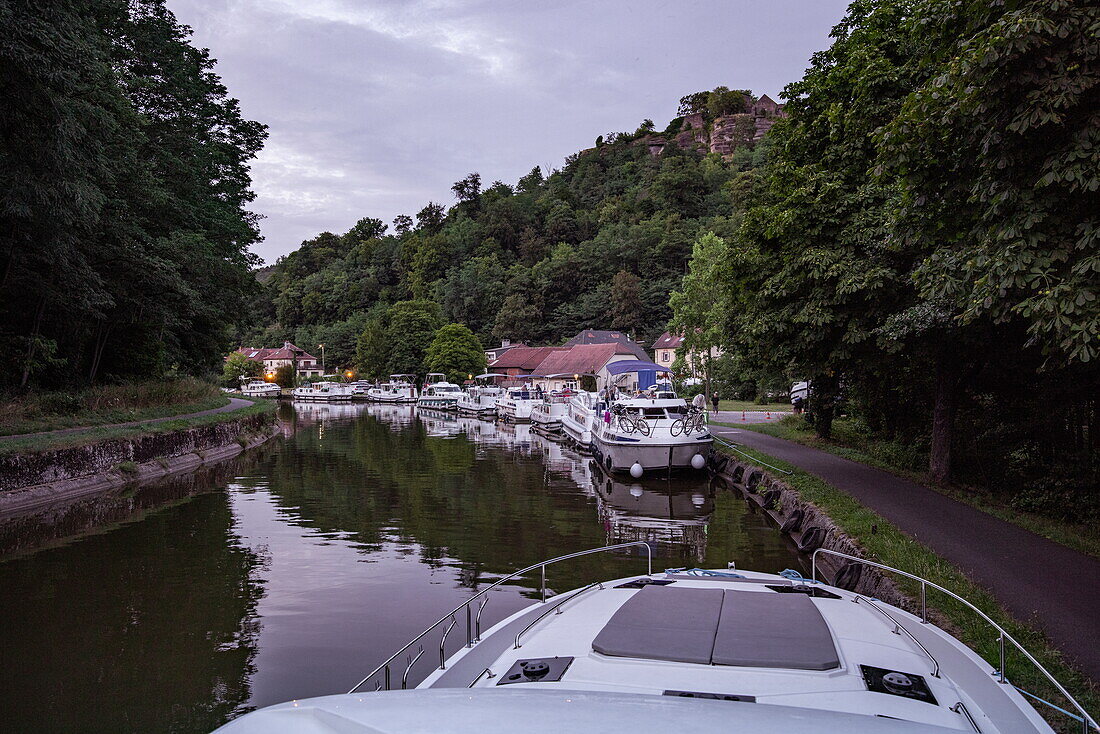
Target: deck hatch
[(722, 627), (773, 631), (663, 623)]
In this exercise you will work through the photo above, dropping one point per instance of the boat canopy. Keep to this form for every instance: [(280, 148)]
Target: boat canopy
[(490, 374), (634, 365)]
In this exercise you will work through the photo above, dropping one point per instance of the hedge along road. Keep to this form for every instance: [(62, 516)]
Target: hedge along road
[(234, 404), (1040, 582)]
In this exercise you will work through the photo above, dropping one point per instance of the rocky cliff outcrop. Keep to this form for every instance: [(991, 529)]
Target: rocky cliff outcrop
[(724, 134)]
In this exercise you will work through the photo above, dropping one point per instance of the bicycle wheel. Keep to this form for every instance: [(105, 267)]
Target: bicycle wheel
[(677, 427), (642, 426)]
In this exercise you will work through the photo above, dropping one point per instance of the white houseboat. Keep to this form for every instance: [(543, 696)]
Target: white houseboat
[(481, 399), (686, 650), (653, 431), (580, 416), (323, 391), (517, 402), (438, 393), (261, 389), (399, 389), (547, 415)]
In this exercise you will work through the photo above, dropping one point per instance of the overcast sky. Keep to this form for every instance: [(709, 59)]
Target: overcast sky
[(376, 107)]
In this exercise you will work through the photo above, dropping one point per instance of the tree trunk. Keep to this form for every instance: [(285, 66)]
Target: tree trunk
[(943, 419), (822, 403)]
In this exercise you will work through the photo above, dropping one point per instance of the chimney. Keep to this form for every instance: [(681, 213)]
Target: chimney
[(505, 342)]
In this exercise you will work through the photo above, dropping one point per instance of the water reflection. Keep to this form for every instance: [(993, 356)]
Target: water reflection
[(323, 553)]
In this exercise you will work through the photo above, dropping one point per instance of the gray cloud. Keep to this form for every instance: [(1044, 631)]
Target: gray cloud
[(376, 106)]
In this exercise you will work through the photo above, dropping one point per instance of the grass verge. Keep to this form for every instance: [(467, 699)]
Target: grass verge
[(1081, 537), (101, 405), (885, 543), (750, 405), (47, 442)]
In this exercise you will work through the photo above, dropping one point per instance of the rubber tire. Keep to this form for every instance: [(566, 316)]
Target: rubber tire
[(812, 539), (847, 577), (793, 523)]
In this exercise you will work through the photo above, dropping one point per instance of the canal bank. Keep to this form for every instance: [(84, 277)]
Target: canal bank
[(782, 487), (132, 452)]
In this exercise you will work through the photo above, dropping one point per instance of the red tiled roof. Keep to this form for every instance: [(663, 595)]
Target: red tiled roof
[(582, 358), (261, 353), (524, 358), (668, 341)]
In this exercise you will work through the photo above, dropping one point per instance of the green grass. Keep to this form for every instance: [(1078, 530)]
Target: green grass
[(750, 405), (886, 544), (1082, 537), (106, 404), (47, 442)]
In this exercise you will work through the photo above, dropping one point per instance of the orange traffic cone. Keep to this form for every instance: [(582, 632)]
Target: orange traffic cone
[(768, 417), (742, 416)]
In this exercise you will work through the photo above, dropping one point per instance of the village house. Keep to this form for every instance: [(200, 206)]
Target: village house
[(584, 359), (666, 348), (287, 354), (602, 336), (520, 361), (493, 353)]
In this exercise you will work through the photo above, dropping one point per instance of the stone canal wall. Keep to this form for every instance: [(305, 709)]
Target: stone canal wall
[(32, 480), (809, 528)]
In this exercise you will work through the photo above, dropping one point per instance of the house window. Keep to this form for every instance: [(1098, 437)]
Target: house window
[(664, 356)]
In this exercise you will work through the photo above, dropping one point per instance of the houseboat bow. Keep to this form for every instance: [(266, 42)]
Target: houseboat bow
[(684, 650)]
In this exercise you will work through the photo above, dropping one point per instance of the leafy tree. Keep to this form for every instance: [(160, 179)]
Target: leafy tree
[(285, 376), (456, 352), (410, 328), (238, 366), (626, 302), (402, 224), (469, 188), (371, 354), (531, 182), (430, 218)]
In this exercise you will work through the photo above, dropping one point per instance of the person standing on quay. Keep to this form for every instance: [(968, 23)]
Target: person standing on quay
[(714, 401)]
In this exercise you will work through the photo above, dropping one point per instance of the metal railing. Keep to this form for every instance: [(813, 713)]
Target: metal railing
[(473, 628), (1088, 723)]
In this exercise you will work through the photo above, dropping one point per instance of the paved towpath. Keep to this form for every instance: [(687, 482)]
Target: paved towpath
[(1039, 581), (234, 404)]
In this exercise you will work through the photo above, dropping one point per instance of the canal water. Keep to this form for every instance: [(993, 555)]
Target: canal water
[(294, 570)]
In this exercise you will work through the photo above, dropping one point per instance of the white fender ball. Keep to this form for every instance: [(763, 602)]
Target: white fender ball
[(636, 470), (698, 461)]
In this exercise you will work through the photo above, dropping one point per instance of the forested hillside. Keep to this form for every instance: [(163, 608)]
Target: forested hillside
[(599, 243), (923, 244), (124, 187)]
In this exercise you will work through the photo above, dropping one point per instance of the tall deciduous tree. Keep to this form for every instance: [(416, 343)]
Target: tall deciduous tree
[(456, 352), (410, 329)]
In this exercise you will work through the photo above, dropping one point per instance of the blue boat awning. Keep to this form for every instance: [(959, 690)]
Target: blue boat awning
[(634, 365)]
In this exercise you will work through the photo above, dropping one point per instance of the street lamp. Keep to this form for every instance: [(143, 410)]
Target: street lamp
[(322, 346)]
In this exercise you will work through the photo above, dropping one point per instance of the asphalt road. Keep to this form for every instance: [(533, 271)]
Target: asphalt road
[(1040, 582), (234, 404)]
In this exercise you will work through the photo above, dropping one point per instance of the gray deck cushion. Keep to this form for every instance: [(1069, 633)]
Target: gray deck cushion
[(773, 631), (664, 623)]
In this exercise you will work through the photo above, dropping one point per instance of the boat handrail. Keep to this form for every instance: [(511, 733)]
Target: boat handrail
[(1087, 721), (472, 636), (899, 628)]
